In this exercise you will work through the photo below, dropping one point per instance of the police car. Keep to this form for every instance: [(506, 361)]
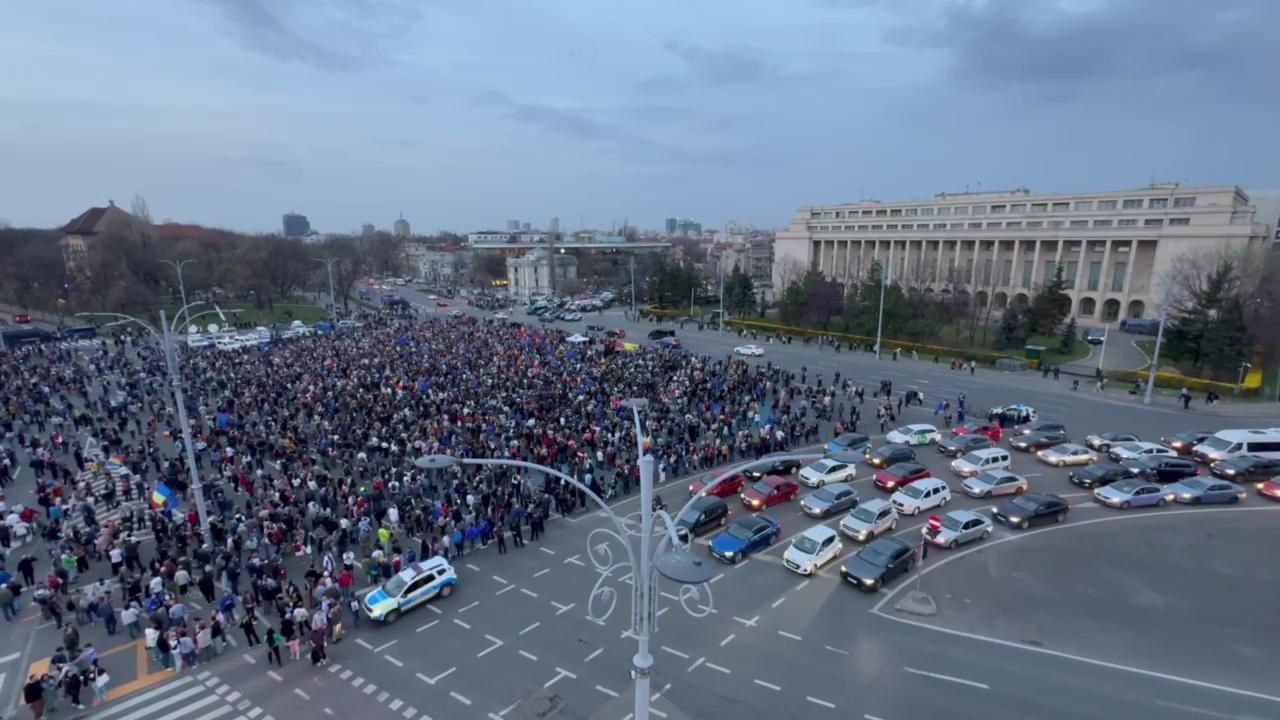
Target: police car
[(409, 588)]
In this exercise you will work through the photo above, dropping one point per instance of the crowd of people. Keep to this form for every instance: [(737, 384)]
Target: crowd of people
[(305, 455)]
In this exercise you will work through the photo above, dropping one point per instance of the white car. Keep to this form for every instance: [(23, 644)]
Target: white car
[(915, 434), (980, 461), (227, 343), (826, 470), (502, 315), (196, 342), (995, 482), (1134, 450), (871, 518), (814, 548), (456, 313), (921, 495), (750, 350), (1067, 454)]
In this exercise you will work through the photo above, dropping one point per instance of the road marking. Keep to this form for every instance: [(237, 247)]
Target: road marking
[(714, 666), (559, 674), (727, 640), (364, 643), (675, 652), (762, 683), (409, 712), (823, 703), (462, 624), (509, 587), (275, 676), (670, 596), (382, 696), (472, 568), (778, 602), (575, 561), (748, 623), (717, 577), (593, 655), (357, 682), (531, 627), (396, 704), (393, 661), (836, 650), (742, 564), (504, 582), (563, 608), (335, 667), (370, 689), (606, 691), (496, 644), (9, 657), (424, 627), (542, 572), (346, 674), (662, 610), (802, 584), (871, 717), (948, 678), (696, 663), (547, 550), (436, 679), (468, 607), (232, 697), (435, 609), (249, 658), (384, 646), (301, 693), (528, 655), (460, 698), (529, 592), (789, 635)]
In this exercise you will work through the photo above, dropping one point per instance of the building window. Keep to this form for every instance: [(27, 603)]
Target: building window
[(1095, 274), (968, 270), (1184, 202), (882, 213), (828, 215), (1028, 268), (1126, 222), (1088, 306), (877, 227), (939, 226), (910, 212), (975, 226), (1070, 274), (863, 228), (1153, 222), (1039, 207), (1158, 203), (957, 226), (891, 226), (1018, 208), (1179, 221), (961, 210), (1061, 206), (1117, 276), (1084, 205), (1102, 223), (1035, 223), (896, 212), (987, 266), (944, 211), (979, 210), (998, 209), (1079, 223), (839, 214), (867, 213), (1106, 204), (1135, 204), (926, 212), (1055, 223), (1006, 274), (994, 225), (1048, 272), (1013, 224)]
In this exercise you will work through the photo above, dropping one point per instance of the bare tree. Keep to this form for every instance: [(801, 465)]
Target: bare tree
[(790, 270)]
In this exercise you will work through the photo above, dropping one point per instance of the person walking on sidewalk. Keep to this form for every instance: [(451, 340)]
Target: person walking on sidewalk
[(250, 628), (273, 647), (33, 696)]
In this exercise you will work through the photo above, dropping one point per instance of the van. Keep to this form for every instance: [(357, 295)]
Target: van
[(980, 461), (25, 336), (1141, 326), (1224, 444), (83, 332)]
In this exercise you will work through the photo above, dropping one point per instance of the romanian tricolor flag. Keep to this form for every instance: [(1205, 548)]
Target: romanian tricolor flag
[(162, 498)]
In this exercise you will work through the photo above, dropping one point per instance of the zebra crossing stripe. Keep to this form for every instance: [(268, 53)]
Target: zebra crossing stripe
[(145, 697)]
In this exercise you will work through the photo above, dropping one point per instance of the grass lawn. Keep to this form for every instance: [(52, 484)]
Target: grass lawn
[(958, 337), (295, 308)]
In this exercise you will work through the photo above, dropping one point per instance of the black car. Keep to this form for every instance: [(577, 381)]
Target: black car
[(1097, 475), (1182, 442), (1161, 468), (960, 444), (1030, 509), (702, 514), (878, 562), (1102, 442), (1040, 426), (773, 467), (886, 455), (1039, 440), (1095, 336), (659, 333), (1246, 469)]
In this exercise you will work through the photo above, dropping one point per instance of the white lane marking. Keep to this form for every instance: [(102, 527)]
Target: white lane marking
[(669, 596), (531, 627), (871, 717), (542, 572), (275, 676), (662, 610), (370, 689), (396, 704), (559, 675), (382, 696), (547, 550), (714, 666), (249, 658), (606, 691), (461, 624), (152, 694), (435, 610), (424, 627), (789, 635), (409, 712), (823, 703), (741, 564), (364, 643), (509, 587), (10, 656), (529, 592), (346, 674), (528, 655), (496, 644), (1194, 709), (802, 584), (357, 681), (232, 697), (675, 652), (575, 561), (696, 663), (468, 607), (779, 601), (948, 678), (301, 693), (393, 661), (748, 623), (472, 568), (836, 650), (717, 577), (593, 655), (563, 608), (436, 679), (504, 582), (462, 699), (385, 645), (727, 640), (769, 685)]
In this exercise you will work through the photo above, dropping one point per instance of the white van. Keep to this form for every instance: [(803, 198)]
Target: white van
[(980, 461), (1225, 444)]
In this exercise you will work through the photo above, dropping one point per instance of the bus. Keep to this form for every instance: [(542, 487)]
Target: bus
[(1264, 442)]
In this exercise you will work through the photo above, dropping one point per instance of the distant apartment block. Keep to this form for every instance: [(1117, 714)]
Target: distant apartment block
[(296, 225)]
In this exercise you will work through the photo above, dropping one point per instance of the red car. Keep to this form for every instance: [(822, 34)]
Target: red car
[(615, 333), (769, 492), (1270, 488), (22, 318), (979, 427), (729, 486), (895, 477), (441, 303)]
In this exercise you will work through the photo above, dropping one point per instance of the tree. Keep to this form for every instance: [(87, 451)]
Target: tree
[(1207, 323), (739, 293), (1013, 329), (33, 273), (351, 265), (1050, 306), (1068, 344)]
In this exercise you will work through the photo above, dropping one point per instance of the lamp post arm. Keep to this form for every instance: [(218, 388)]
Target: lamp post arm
[(184, 309)]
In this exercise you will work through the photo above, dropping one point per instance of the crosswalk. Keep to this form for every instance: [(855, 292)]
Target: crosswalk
[(82, 343), (110, 474), (202, 696)]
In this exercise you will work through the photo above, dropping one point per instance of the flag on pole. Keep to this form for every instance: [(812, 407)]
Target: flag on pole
[(162, 498)]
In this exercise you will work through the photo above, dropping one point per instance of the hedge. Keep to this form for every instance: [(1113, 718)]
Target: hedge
[(889, 344), (1251, 386)]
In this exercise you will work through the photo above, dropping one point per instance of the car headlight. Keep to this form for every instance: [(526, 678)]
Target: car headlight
[(730, 554), (869, 582), (1015, 519), (1230, 471), (1185, 496)]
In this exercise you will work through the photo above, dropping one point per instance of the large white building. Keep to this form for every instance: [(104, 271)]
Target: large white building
[(998, 247), (529, 275)]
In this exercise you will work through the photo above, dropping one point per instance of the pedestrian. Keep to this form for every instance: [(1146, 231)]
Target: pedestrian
[(72, 684), (501, 536), (98, 679), (273, 647), (33, 696), (250, 628)]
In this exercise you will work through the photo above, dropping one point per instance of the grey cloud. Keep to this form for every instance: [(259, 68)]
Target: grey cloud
[(720, 66), (330, 35)]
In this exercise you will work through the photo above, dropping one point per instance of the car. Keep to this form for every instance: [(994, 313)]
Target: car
[(848, 442), (1131, 492), (731, 485), (886, 455), (749, 350), (701, 515), (571, 317), (660, 333), (456, 313), (1015, 414), (978, 461), (972, 428), (615, 333), (769, 491), (914, 434), (502, 315), (1098, 475), (956, 528), (442, 303), (412, 586), (1270, 488), (829, 500), (812, 549), (1102, 442), (1161, 469), (921, 495), (1038, 440), (670, 343), (1067, 454), (880, 561), (1246, 468), (1129, 451), (1039, 426), (1030, 509), (995, 482), (1182, 442), (1204, 491), (900, 475), (787, 466), (1095, 336), (22, 318), (869, 519), (744, 536), (826, 470), (962, 444)]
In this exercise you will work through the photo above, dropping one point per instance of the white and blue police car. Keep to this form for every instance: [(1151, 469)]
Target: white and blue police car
[(412, 586)]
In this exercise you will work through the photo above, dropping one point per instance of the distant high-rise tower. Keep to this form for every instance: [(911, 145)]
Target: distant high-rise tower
[(526, 227), (296, 225), (367, 230), (555, 225), (402, 227), (513, 226), (672, 224)]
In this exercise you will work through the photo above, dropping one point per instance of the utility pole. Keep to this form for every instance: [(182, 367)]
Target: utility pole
[(884, 280), (1244, 367), (1102, 353), (722, 294), (1155, 358), (633, 287), (175, 379), (177, 266), (333, 303)]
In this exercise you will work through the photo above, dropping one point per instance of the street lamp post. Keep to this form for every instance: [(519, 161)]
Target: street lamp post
[(1244, 367), (333, 303), (1155, 359), (633, 287), (722, 293), (177, 266), (1102, 352), (884, 280)]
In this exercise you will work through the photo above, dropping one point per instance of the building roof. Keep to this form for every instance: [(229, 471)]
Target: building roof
[(90, 221), (184, 230)]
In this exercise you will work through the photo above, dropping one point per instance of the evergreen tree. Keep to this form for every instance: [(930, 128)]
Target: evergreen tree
[(1050, 306), (1207, 324), (1013, 329), (739, 293), (1068, 344)]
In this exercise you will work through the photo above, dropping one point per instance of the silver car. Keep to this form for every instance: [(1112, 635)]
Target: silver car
[(871, 518), (1067, 454), (995, 482), (957, 528), (1199, 490), (829, 500)]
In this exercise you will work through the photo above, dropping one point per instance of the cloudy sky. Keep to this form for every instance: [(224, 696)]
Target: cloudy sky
[(464, 114)]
